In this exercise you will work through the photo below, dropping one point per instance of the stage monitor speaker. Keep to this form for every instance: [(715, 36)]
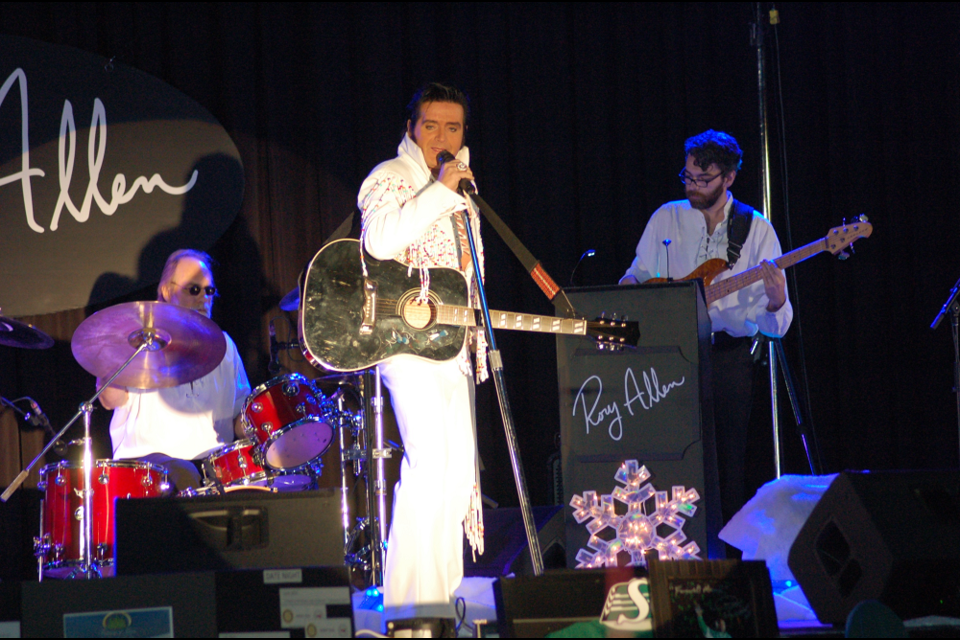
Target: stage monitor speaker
[(888, 536), (251, 530), (505, 543)]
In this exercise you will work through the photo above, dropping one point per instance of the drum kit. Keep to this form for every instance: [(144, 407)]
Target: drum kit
[(290, 422)]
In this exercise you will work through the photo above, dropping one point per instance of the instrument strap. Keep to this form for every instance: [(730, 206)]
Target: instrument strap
[(741, 217), (551, 289)]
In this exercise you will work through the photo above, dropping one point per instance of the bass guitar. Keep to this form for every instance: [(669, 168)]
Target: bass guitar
[(836, 240), (349, 322)]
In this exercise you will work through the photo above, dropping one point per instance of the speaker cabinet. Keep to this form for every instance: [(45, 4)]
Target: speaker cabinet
[(889, 536), (505, 543), (254, 530)]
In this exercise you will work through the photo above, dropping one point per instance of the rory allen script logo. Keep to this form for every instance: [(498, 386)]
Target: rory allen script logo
[(120, 193), (637, 396), (88, 211)]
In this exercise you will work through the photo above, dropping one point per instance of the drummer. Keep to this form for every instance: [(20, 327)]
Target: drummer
[(178, 426)]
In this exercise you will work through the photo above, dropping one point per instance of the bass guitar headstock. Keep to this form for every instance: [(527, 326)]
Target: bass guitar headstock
[(839, 238), (611, 334)]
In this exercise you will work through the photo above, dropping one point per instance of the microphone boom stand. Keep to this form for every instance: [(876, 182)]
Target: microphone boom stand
[(496, 365), (952, 307)]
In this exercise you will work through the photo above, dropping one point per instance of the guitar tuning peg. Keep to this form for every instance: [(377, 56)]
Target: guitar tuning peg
[(843, 255), (863, 218), (852, 250), (603, 315)]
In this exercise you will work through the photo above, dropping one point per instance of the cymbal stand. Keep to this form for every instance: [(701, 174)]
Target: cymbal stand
[(349, 456), (145, 340), (367, 455), (376, 489)]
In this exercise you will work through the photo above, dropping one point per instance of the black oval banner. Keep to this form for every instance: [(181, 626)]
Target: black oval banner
[(104, 170)]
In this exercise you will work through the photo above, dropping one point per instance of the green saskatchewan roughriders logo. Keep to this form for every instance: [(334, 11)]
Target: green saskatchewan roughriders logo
[(628, 606)]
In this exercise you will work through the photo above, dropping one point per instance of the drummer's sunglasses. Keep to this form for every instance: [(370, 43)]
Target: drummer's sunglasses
[(195, 289)]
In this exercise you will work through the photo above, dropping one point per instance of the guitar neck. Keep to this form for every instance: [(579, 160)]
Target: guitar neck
[(467, 317), (727, 286)]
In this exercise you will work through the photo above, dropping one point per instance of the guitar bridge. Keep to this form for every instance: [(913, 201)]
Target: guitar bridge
[(369, 306)]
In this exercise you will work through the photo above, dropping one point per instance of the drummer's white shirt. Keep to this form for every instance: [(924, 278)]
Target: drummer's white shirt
[(186, 421)]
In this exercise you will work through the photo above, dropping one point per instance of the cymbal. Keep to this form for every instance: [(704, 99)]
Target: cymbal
[(17, 334), (291, 301), (184, 345)]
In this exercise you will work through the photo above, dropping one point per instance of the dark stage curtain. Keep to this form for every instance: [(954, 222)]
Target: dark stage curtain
[(580, 113)]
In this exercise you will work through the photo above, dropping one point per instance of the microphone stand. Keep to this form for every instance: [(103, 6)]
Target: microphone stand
[(952, 307), (496, 365)]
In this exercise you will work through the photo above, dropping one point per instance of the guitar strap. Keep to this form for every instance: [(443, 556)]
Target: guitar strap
[(741, 217), (551, 289)]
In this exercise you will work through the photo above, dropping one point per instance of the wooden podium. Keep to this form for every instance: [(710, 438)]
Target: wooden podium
[(652, 404)]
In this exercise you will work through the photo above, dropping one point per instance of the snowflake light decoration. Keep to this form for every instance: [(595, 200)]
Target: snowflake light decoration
[(636, 531)]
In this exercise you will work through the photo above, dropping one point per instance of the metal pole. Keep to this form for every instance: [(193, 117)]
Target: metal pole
[(767, 206), (496, 367), (380, 481), (86, 519), (371, 420)]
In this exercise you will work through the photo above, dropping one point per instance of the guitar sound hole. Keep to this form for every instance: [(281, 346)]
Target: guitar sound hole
[(418, 315)]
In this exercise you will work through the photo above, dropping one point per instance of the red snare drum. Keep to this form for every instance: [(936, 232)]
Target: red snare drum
[(238, 464), (59, 541), (291, 421)]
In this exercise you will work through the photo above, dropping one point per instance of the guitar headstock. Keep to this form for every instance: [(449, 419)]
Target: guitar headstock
[(613, 334), (839, 238)]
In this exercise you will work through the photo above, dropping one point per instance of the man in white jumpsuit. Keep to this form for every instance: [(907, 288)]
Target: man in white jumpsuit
[(410, 208)]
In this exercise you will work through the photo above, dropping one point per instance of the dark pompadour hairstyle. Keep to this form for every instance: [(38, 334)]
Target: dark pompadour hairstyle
[(714, 147), (436, 92)]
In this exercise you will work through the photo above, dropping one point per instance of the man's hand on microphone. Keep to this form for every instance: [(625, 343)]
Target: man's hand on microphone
[(451, 174)]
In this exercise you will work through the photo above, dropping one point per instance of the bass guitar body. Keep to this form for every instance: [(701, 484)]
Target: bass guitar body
[(706, 272)]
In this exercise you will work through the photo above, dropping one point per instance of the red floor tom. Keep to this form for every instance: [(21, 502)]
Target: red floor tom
[(291, 421), (59, 543)]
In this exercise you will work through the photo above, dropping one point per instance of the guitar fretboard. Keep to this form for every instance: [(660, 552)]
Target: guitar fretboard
[(466, 316), (727, 286)]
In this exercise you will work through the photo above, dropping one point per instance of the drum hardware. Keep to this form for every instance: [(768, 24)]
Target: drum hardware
[(108, 345)]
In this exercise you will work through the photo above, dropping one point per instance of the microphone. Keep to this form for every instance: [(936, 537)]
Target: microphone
[(589, 253), (666, 244), (38, 418), (274, 366), (465, 185)]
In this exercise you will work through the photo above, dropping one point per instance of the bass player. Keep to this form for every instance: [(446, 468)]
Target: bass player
[(710, 223)]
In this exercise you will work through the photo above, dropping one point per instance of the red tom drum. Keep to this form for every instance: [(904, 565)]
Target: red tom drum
[(239, 464), (291, 421), (59, 543)]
